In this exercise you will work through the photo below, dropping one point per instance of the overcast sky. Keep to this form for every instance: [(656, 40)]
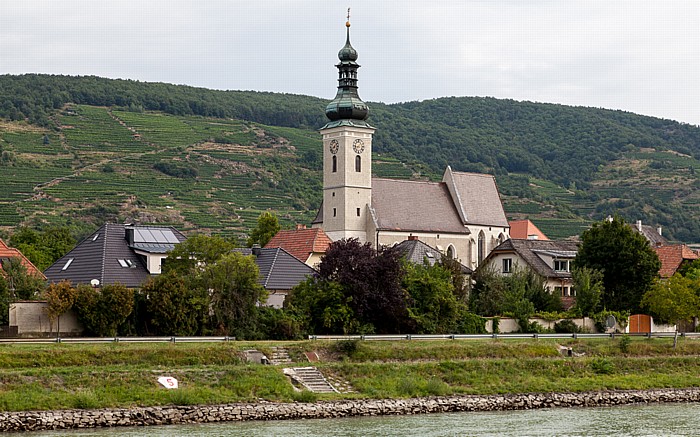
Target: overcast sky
[(641, 56)]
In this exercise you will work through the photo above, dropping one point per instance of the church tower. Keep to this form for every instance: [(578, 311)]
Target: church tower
[(347, 154)]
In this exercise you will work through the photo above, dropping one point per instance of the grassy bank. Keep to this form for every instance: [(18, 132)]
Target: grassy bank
[(59, 376)]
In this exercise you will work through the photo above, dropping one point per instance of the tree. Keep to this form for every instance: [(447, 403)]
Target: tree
[(267, 227), (628, 263), (173, 307), (322, 307), (43, 248), (60, 297), (101, 311), (588, 284), (235, 293), (371, 281), (434, 307), (673, 300), (21, 284), (195, 253)]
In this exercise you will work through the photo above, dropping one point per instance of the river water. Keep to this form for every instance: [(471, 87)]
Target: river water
[(637, 420)]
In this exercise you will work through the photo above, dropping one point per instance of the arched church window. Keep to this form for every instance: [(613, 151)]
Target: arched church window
[(335, 164), (358, 163), (482, 247), (451, 252)]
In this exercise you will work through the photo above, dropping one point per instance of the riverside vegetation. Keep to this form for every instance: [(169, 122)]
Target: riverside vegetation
[(82, 376), (79, 151)]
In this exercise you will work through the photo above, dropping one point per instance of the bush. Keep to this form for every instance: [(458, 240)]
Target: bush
[(602, 366), (566, 326), (347, 348), (624, 344), (304, 396)]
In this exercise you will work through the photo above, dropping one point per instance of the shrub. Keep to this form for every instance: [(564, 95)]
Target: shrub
[(347, 348), (624, 344), (304, 396), (602, 366), (566, 326)]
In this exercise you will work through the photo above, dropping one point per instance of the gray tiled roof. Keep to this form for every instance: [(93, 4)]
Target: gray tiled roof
[(97, 257), (279, 270), (402, 205), (417, 252), (528, 250), (480, 200)]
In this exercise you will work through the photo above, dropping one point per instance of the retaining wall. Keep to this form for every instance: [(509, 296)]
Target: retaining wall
[(67, 419)]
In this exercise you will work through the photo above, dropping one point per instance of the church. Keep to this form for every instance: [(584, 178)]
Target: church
[(462, 215)]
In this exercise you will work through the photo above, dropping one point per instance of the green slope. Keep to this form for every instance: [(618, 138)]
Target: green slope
[(98, 149)]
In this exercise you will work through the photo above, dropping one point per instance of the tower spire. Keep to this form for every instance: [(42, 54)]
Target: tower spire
[(347, 107)]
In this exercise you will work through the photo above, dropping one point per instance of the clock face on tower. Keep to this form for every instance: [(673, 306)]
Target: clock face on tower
[(358, 146), (334, 146)]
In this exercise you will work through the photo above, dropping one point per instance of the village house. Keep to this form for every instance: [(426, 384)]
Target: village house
[(306, 244), (552, 260)]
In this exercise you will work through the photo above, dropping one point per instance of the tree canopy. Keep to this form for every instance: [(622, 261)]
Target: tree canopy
[(628, 262)]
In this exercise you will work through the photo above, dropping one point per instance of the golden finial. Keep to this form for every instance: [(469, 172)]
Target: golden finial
[(347, 23)]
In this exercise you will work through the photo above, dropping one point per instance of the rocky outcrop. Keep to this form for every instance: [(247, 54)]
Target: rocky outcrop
[(141, 416)]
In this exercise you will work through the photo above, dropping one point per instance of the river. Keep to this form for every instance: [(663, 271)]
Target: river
[(638, 420)]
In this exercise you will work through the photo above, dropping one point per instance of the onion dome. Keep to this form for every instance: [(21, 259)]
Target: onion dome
[(347, 104)]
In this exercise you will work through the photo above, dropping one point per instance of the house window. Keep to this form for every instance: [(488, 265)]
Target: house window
[(559, 291), (335, 164), (358, 163), (126, 263), (507, 265), (561, 265), (358, 212), (68, 263)]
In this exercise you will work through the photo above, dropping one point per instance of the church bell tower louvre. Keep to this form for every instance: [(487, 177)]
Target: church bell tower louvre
[(347, 154)]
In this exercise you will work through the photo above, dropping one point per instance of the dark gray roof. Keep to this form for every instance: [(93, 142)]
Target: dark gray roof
[(417, 252), (650, 233), (279, 270), (401, 205), (106, 256), (529, 251)]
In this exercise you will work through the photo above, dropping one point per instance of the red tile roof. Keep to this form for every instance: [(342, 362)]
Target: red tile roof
[(522, 229), (8, 252), (672, 256), (301, 243)]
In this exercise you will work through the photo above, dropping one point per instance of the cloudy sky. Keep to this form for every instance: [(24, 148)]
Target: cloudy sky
[(641, 56)]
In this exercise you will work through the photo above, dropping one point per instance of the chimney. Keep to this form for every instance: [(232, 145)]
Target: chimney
[(300, 226), (256, 249), (129, 235), (659, 230), (639, 225), (412, 238)]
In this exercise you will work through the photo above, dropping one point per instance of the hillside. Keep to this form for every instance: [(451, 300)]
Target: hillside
[(81, 150)]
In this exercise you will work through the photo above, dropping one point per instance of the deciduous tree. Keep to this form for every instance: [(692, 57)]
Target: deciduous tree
[(673, 300), (267, 227), (588, 284), (628, 263)]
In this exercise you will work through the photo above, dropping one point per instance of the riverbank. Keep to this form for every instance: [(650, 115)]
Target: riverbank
[(171, 415), (98, 383)]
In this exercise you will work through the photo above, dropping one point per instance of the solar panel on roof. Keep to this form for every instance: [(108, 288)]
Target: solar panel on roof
[(159, 236)]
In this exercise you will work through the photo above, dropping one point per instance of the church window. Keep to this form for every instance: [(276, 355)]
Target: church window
[(451, 252), (358, 212), (335, 211), (358, 163), (335, 164), (481, 247)]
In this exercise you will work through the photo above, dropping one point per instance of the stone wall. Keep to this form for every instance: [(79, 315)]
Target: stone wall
[(143, 416)]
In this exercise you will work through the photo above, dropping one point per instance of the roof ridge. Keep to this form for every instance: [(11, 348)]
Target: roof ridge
[(272, 265), (409, 180), (104, 252)]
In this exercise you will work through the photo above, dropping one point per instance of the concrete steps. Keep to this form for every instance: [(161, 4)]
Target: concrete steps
[(280, 355), (311, 379)]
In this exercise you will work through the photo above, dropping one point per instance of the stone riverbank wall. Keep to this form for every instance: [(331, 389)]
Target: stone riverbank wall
[(144, 416)]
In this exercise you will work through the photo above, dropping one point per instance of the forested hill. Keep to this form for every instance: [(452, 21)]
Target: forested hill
[(552, 162)]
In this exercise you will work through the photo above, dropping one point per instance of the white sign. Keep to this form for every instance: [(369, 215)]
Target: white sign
[(168, 382)]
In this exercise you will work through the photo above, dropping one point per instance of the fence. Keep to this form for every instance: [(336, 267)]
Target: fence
[(611, 335)]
